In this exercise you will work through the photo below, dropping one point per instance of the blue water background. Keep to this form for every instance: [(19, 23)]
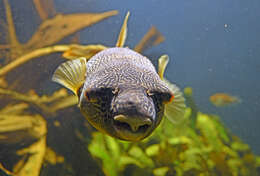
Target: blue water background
[(214, 46)]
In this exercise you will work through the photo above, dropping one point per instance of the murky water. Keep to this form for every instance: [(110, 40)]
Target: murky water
[(213, 47)]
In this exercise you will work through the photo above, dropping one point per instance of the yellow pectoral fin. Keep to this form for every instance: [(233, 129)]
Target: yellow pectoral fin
[(123, 33), (162, 63), (71, 74), (175, 110)]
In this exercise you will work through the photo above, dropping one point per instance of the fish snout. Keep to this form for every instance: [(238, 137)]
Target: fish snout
[(133, 123)]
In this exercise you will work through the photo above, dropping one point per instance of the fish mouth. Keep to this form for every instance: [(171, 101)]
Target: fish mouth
[(127, 132)]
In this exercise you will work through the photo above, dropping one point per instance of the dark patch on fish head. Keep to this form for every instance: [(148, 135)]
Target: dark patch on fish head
[(95, 105)]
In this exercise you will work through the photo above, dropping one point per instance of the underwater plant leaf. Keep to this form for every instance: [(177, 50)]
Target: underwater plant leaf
[(5, 172), (21, 128), (139, 154), (222, 132), (45, 8), (35, 152), (234, 165), (59, 94), (66, 25), (152, 38), (219, 159), (229, 151), (113, 147), (41, 11), (51, 157), (49, 104), (257, 161), (239, 146), (25, 98), (208, 130), (63, 103), (13, 123), (152, 150), (180, 140), (11, 28), (192, 159), (97, 148), (86, 51), (13, 47), (33, 164), (126, 160), (32, 55), (13, 109), (3, 82), (162, 171), (193, 107)]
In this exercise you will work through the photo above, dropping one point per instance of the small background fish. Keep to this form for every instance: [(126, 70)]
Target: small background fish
[(223, 99)]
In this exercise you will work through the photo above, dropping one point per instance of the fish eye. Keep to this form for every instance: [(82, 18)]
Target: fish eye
[(90, 96), (115, 91), (164, 97)]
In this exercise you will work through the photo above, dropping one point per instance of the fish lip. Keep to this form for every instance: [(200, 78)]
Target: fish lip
[(125, 133)]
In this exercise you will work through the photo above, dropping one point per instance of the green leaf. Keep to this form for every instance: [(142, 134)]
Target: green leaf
[(97, 148), (113, 146), (238, 146), (257, 161), (139, 154), (222, 132), (180, 140), (160, 171), (152, 150), (125, 160), (209, 131)]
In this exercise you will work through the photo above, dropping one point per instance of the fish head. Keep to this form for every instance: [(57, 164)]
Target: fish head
[(127, 113)]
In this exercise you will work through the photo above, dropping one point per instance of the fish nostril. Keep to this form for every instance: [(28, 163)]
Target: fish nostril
[(133, 124), (123, 125)]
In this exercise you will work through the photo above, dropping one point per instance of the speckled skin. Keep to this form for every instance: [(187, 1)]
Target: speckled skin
[(122, 81)]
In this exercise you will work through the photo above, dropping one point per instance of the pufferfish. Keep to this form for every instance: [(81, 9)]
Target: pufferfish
[(119, 91)]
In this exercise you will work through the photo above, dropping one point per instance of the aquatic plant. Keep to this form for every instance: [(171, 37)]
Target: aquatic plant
[(207, 148), (34, 137)]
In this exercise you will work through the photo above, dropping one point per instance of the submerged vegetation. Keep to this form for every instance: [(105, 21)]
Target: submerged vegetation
[(207, 148), (43, 134)]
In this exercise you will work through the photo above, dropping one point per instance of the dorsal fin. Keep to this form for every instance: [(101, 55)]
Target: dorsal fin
[(123, 33), (162, 63), (71, 74), (174, 110)]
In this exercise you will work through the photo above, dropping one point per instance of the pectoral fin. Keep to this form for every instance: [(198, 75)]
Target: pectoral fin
[(174, 110), (123, 33), (71, 74)]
